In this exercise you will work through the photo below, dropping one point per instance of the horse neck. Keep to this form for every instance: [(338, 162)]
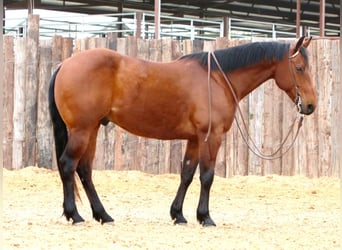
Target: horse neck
[(247, 79)]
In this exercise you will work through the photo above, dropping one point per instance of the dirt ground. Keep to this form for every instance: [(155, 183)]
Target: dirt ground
[(251, 212)]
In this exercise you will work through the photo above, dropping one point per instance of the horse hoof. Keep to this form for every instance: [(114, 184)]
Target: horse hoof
[(108, 223), (78, 223), (180, 221), (106, 219), (77, 220), (208, 223)]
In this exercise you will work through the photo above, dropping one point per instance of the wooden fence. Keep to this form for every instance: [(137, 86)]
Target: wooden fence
[(27, 136)]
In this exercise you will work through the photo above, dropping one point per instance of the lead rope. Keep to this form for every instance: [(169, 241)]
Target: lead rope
[(247, 138), (209, 99)]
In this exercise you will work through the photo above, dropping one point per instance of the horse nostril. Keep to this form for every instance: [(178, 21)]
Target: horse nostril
[(311, 108)]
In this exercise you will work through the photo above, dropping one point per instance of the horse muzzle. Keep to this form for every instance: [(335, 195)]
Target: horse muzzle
[(305, 108)]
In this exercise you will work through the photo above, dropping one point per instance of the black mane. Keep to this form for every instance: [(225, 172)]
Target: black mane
[(244, 55)]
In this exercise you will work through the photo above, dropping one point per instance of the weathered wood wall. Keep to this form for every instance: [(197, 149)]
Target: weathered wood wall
[(27, 133)]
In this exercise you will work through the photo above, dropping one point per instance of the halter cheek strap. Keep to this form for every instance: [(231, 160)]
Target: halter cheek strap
[(298, 99)]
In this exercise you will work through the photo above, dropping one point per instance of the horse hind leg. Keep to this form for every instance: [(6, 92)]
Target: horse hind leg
[(75, 147), (189, 166), (84, 171)]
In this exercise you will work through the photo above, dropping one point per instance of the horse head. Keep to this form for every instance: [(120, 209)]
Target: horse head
[(294, 77)]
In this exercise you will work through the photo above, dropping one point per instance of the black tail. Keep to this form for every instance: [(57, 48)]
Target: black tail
[(60, 131), (59, 128)]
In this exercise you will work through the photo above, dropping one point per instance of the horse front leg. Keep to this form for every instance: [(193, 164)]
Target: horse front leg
[(189, 166), (208, 153)]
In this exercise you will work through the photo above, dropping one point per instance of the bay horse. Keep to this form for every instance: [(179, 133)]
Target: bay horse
[(164, 101)]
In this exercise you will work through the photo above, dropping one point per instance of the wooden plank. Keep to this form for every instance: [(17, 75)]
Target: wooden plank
[(187, 47), (176, 156), (176, 49), (272, 127), (209, 45), (92, 42), (336, 134), (19, 103), (112, 41), (44, 135), (67, 44), (121, 45), (256, 110), (7, 101), (222, 42), (109, 149), (311, 167), (57, 49), (166, 49), (321, 146), (143, 49), (197, 46), (242, 151), (32, 56), (289, 164)]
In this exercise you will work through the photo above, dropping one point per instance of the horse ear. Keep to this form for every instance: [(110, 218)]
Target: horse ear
[(307, 41), (299, 43)]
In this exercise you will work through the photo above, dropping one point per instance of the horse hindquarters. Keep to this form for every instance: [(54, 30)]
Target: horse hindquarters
[(75, 152)]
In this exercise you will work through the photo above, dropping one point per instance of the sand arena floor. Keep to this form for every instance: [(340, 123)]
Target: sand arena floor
[(270, 212)]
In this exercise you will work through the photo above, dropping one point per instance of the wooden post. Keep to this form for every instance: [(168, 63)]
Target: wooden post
[(336, 115), (19, 103), (7, 95), (157, 19), (44, 135), (298, 19), (322, 18), (119, 25), (32, 56), (226, 27), (139, 16)]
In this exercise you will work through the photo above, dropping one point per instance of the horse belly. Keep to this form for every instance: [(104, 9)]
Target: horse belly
[(159, 120)]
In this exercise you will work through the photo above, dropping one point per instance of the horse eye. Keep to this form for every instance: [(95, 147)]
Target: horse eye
[(299, 69)]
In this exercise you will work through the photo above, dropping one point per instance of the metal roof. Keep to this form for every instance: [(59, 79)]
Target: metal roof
[(280, 11)]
